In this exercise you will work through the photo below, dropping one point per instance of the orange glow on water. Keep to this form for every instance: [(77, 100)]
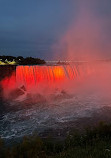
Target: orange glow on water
[(35, 78), (58, 73), (36, 74)]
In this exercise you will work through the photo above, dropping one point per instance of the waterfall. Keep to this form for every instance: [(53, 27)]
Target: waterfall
[(34, 78), (34, 75)]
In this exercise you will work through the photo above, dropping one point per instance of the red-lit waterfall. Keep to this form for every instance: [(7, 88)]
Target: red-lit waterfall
[(35, 78), (37, 98)]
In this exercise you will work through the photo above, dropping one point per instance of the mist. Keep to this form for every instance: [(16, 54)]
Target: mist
[(88, 36)]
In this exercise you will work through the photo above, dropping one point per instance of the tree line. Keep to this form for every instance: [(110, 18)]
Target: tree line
[(21, 60)]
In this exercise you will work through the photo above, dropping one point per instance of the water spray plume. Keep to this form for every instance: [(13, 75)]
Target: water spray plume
[(85, 38)]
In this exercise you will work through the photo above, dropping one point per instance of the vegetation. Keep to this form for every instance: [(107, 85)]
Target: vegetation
[(92, 143), (11, 60)]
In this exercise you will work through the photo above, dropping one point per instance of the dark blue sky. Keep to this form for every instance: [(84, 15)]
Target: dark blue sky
[(31, 27)]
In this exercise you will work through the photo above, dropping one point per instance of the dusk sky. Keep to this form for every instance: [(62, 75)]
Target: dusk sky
[(37, 27)]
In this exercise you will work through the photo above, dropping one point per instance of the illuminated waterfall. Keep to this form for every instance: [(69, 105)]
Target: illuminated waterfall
[(33, 78)]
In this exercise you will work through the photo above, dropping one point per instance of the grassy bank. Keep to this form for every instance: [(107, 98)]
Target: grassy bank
[(92, 143)]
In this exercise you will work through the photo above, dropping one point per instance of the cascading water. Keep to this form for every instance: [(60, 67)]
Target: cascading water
[(33, 78), (51, 97)]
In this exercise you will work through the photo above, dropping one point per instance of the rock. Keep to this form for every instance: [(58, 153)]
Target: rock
[(17, 92)]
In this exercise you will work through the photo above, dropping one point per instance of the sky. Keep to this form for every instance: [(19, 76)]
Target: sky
[(54, 29)]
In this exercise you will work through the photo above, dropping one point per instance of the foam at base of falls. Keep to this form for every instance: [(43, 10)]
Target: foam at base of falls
[(55, 113)]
